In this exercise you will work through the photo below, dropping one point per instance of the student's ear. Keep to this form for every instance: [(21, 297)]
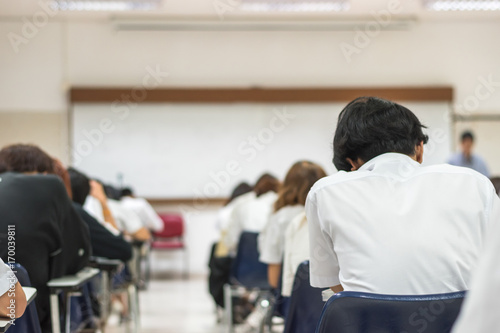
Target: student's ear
[(419, 152), (355, 165)]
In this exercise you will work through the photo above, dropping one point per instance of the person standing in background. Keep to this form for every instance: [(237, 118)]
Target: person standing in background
[(466, 158)]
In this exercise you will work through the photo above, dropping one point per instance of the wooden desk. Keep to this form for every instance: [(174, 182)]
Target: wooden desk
[(30, 296), (66, 285)]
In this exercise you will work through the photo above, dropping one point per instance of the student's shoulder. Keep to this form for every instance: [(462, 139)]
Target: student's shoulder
[(336, 179), (443, 169)]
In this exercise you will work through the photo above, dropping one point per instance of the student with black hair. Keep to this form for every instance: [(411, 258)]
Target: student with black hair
[(384, 223), (466, 158)]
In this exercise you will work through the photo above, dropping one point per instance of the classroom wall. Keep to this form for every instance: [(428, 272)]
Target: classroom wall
[(62, 54)]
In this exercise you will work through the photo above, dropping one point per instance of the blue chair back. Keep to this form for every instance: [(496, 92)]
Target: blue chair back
[(306, 303), (247, 270), (356, 312), (29, 322)]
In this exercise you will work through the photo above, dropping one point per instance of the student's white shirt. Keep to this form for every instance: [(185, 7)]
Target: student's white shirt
[(146, 213), (249, 216), (396, 227), (7, 278), (296, 251), (126, 219), (272, 237), (480, 311), (224, 214)]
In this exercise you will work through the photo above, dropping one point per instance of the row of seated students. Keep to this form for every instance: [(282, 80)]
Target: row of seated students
[(383, 224), (55, 235)]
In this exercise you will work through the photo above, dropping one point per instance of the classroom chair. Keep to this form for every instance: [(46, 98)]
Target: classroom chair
[(306, 303), (171, 238), (247, 273), (29, 322), (357, 312)]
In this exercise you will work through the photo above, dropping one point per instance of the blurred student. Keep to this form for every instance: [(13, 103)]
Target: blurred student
[(241, 193), (290, 203), (296, 251), (384, 223), (220, 261), (466, 158), (111, 213), (142, 209), (252, 215), (51, 239), (12, 297), (105, 241)]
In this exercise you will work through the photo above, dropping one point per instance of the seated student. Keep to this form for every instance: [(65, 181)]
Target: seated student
[(220, 262), (51, 239), (252, 215), (384, 223), (296, 251), (241, 193), (143, 209), (110, 213), (12, 297), (104, 242), (290, 203)]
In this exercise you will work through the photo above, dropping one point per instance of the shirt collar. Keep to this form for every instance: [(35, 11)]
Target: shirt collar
[(389, 158)]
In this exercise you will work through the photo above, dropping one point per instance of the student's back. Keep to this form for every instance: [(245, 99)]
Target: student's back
[(415, 230), (50, 238)]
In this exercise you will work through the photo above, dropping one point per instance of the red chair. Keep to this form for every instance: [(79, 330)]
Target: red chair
[(171, 237)]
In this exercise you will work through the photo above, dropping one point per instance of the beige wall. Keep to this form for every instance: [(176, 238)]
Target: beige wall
[(47, 130)]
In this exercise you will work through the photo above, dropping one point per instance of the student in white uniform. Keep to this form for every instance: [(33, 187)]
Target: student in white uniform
[(296, 251), (12, 297), (290, 203), (142, 209), (252, 215), (384, 223)]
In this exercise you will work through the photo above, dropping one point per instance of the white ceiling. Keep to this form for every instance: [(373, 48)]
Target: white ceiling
[(204, 9)]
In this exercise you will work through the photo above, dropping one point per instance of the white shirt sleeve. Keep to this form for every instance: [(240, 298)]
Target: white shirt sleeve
[(481, 308), (94, 208), (126, 219), (149, 216), (7, 278), (271, 245), (324, 266)]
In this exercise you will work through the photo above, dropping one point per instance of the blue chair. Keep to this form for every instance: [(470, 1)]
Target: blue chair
[(29, 322), (306, 303), (247, 271), (356, 312)]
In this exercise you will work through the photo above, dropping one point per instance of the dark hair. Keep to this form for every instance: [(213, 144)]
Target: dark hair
[(241, 189), (266, 183), (371, 126), (298, 181), (61, 172), (127, 192), (80, 185), (467, 135), (25, 158), (496, 184)]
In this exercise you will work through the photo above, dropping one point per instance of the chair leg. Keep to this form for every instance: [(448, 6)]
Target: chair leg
[(133, 301), (185, 274), (228, 306)]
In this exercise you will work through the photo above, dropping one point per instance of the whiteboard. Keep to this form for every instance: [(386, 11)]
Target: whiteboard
[(204, 150)]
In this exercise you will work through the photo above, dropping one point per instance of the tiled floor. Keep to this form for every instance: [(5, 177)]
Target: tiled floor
[(173, 305)]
